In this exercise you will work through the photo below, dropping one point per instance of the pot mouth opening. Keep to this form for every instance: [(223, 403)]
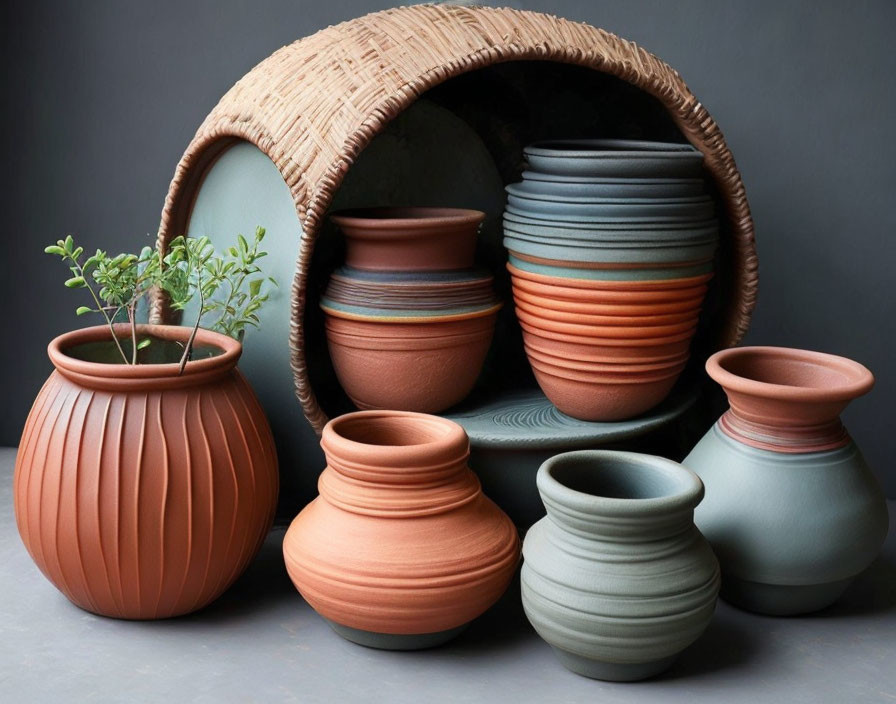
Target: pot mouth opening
[(393, 428), (90, 353), (782, 372), (614, 481), (158, 351), (421, 216)]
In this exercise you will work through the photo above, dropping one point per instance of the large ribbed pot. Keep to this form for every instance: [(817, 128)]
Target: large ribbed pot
[(401, 550), (139, 492), (792, 509), (616, 578)]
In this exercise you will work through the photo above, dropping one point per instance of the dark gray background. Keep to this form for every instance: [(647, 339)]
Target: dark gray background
[(102, 98)]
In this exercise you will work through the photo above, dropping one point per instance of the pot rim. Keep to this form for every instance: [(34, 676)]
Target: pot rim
[(687, 494), (106, 374), (416, 217), (859, 379), (624, 148), (447, 446)]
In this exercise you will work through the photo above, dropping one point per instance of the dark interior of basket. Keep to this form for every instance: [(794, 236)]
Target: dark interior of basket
[(458, 145)]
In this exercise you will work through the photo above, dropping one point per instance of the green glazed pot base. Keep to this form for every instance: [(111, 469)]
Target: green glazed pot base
[(612, 671), (396, 641), (781, 599)]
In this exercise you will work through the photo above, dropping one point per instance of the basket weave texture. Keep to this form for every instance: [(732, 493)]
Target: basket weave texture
[(314, 105)]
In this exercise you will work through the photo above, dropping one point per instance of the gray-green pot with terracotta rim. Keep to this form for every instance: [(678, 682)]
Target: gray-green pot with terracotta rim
[(616, 578), (792, 509)]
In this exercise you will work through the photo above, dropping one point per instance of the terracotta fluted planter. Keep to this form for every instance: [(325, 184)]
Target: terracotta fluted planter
[(616, 578), (792, 509), (141, 493), (401, 549)]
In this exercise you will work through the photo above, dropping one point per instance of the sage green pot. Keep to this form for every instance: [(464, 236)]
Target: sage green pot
[(616, 578), (792, 509)]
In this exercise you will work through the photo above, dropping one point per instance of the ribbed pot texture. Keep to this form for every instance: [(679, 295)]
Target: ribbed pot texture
[(792, 509), (616, 578), (401, 548), (141, 493)]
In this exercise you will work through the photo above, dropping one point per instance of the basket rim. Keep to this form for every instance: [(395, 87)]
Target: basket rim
[(487, 36)]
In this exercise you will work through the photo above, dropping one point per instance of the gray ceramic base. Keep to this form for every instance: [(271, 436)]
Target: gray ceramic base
[(393, 641), (612, 671), (780, 599), (512, 435)]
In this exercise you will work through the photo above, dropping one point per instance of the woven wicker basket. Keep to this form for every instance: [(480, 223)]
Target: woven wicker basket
[(313, 106)]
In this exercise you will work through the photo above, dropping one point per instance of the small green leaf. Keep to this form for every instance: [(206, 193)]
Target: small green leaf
[(76, 282), (83, 309), (68, 244), (54, 249), (144, 343), (77, 253)]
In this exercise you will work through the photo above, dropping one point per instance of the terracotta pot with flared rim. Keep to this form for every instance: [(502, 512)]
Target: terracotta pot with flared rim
[(685, 306), (646, 290), (414, 366), (793, 511), (610, 158), (615, 366), (605, 331), (530, 305), (142, 493), (409, 239), (401, 550), (616, 578), (602, 397)]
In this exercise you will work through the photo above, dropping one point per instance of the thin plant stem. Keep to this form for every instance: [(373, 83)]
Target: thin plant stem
[(189, 346), (102, 310)]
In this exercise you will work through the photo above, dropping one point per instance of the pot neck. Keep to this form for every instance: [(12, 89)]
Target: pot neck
[(396, 464), (787, 400), (143, 377), (612, 496), (790, 438)]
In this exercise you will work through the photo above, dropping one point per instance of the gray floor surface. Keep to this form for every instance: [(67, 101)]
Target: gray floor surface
[(261, 643)]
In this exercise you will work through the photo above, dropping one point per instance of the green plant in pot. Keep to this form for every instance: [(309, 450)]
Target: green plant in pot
[(146, 478)]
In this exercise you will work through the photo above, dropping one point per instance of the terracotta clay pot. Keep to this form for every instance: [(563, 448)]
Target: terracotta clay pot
[(616, 578), (401, 549), (141, 493), (409, 239), (424, 366), (793, 511)]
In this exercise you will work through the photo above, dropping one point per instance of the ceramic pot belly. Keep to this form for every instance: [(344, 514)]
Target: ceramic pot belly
[(790, 530)]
